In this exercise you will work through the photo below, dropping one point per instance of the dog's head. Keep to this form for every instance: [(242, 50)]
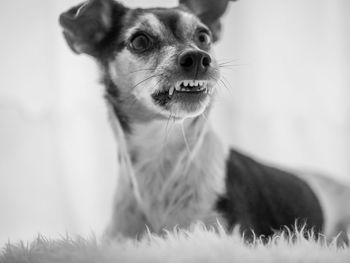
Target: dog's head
[(158, 60)]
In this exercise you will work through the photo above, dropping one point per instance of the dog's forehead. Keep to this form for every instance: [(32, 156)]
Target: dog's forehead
[(162, 21)]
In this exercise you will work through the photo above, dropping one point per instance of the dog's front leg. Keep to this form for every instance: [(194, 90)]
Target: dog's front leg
[(127, 219)]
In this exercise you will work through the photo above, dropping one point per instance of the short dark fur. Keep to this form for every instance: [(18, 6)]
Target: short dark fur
[(264, 199), (112, 97), (111, 43)]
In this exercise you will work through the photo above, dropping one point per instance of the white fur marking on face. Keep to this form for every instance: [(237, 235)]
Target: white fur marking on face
[(189, 22)]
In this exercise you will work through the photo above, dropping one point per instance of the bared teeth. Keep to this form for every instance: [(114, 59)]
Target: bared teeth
[(190, 83), (189, 86)]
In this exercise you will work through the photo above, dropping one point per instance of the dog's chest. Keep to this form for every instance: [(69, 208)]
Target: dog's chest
[(178, 181)]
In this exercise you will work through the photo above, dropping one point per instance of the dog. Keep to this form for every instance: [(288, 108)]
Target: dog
[(160, 77)]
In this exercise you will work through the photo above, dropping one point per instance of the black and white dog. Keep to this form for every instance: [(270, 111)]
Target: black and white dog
[(160, 76)]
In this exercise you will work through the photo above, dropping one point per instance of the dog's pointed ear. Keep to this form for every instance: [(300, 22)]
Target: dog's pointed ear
[(209, 11), (86, 25)]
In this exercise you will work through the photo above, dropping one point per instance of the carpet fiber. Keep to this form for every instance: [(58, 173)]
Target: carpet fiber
[(196, 245)]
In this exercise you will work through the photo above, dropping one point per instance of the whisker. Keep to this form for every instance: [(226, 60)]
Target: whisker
[(185, 139), (226, 64), (204, 116), (220, 82), (224, 83), (222, 62), (148, 78), (144, 69), (234, 65), (159, 81), (167, 130), (225, 86), (230, 67), (214, 78)]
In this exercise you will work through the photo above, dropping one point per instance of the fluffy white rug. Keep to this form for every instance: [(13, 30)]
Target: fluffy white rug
[(196, 245)]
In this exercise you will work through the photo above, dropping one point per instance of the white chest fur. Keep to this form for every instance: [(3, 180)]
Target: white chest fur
[(178, 170)]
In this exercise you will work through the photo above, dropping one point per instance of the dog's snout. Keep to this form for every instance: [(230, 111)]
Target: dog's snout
[(195, 61)]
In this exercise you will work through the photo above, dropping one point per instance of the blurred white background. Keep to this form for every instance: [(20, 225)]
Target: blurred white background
[(287, 104)]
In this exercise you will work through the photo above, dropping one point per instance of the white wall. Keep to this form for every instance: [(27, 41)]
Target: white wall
[(288, 104), (290, 101)]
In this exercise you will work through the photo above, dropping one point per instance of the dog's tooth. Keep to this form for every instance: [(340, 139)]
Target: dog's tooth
[(171, 90), (178, 85)]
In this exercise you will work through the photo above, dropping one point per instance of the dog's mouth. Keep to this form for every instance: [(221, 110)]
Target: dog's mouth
[(189, 86), (187, 95), (183, 90)]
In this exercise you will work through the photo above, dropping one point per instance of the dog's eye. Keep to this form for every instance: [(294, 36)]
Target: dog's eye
[(204, 38), (140, 43)]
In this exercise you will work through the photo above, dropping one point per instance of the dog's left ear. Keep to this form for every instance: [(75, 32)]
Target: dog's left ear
[(209, 11)]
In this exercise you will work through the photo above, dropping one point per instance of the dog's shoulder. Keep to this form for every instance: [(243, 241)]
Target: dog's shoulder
[(264, 198)]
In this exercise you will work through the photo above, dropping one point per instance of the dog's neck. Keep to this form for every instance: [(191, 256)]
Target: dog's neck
[(175, 170), (165, 140)]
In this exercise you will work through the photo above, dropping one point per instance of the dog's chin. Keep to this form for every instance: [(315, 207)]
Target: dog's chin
[(189, 105)]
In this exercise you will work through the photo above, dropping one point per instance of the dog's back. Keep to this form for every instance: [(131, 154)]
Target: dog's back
[(263, 198)]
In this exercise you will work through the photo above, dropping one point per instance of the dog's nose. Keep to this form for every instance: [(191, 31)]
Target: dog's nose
[(195, 61)]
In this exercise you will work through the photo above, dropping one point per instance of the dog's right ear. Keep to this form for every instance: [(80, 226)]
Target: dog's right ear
[(85, 26), (209, 11)]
